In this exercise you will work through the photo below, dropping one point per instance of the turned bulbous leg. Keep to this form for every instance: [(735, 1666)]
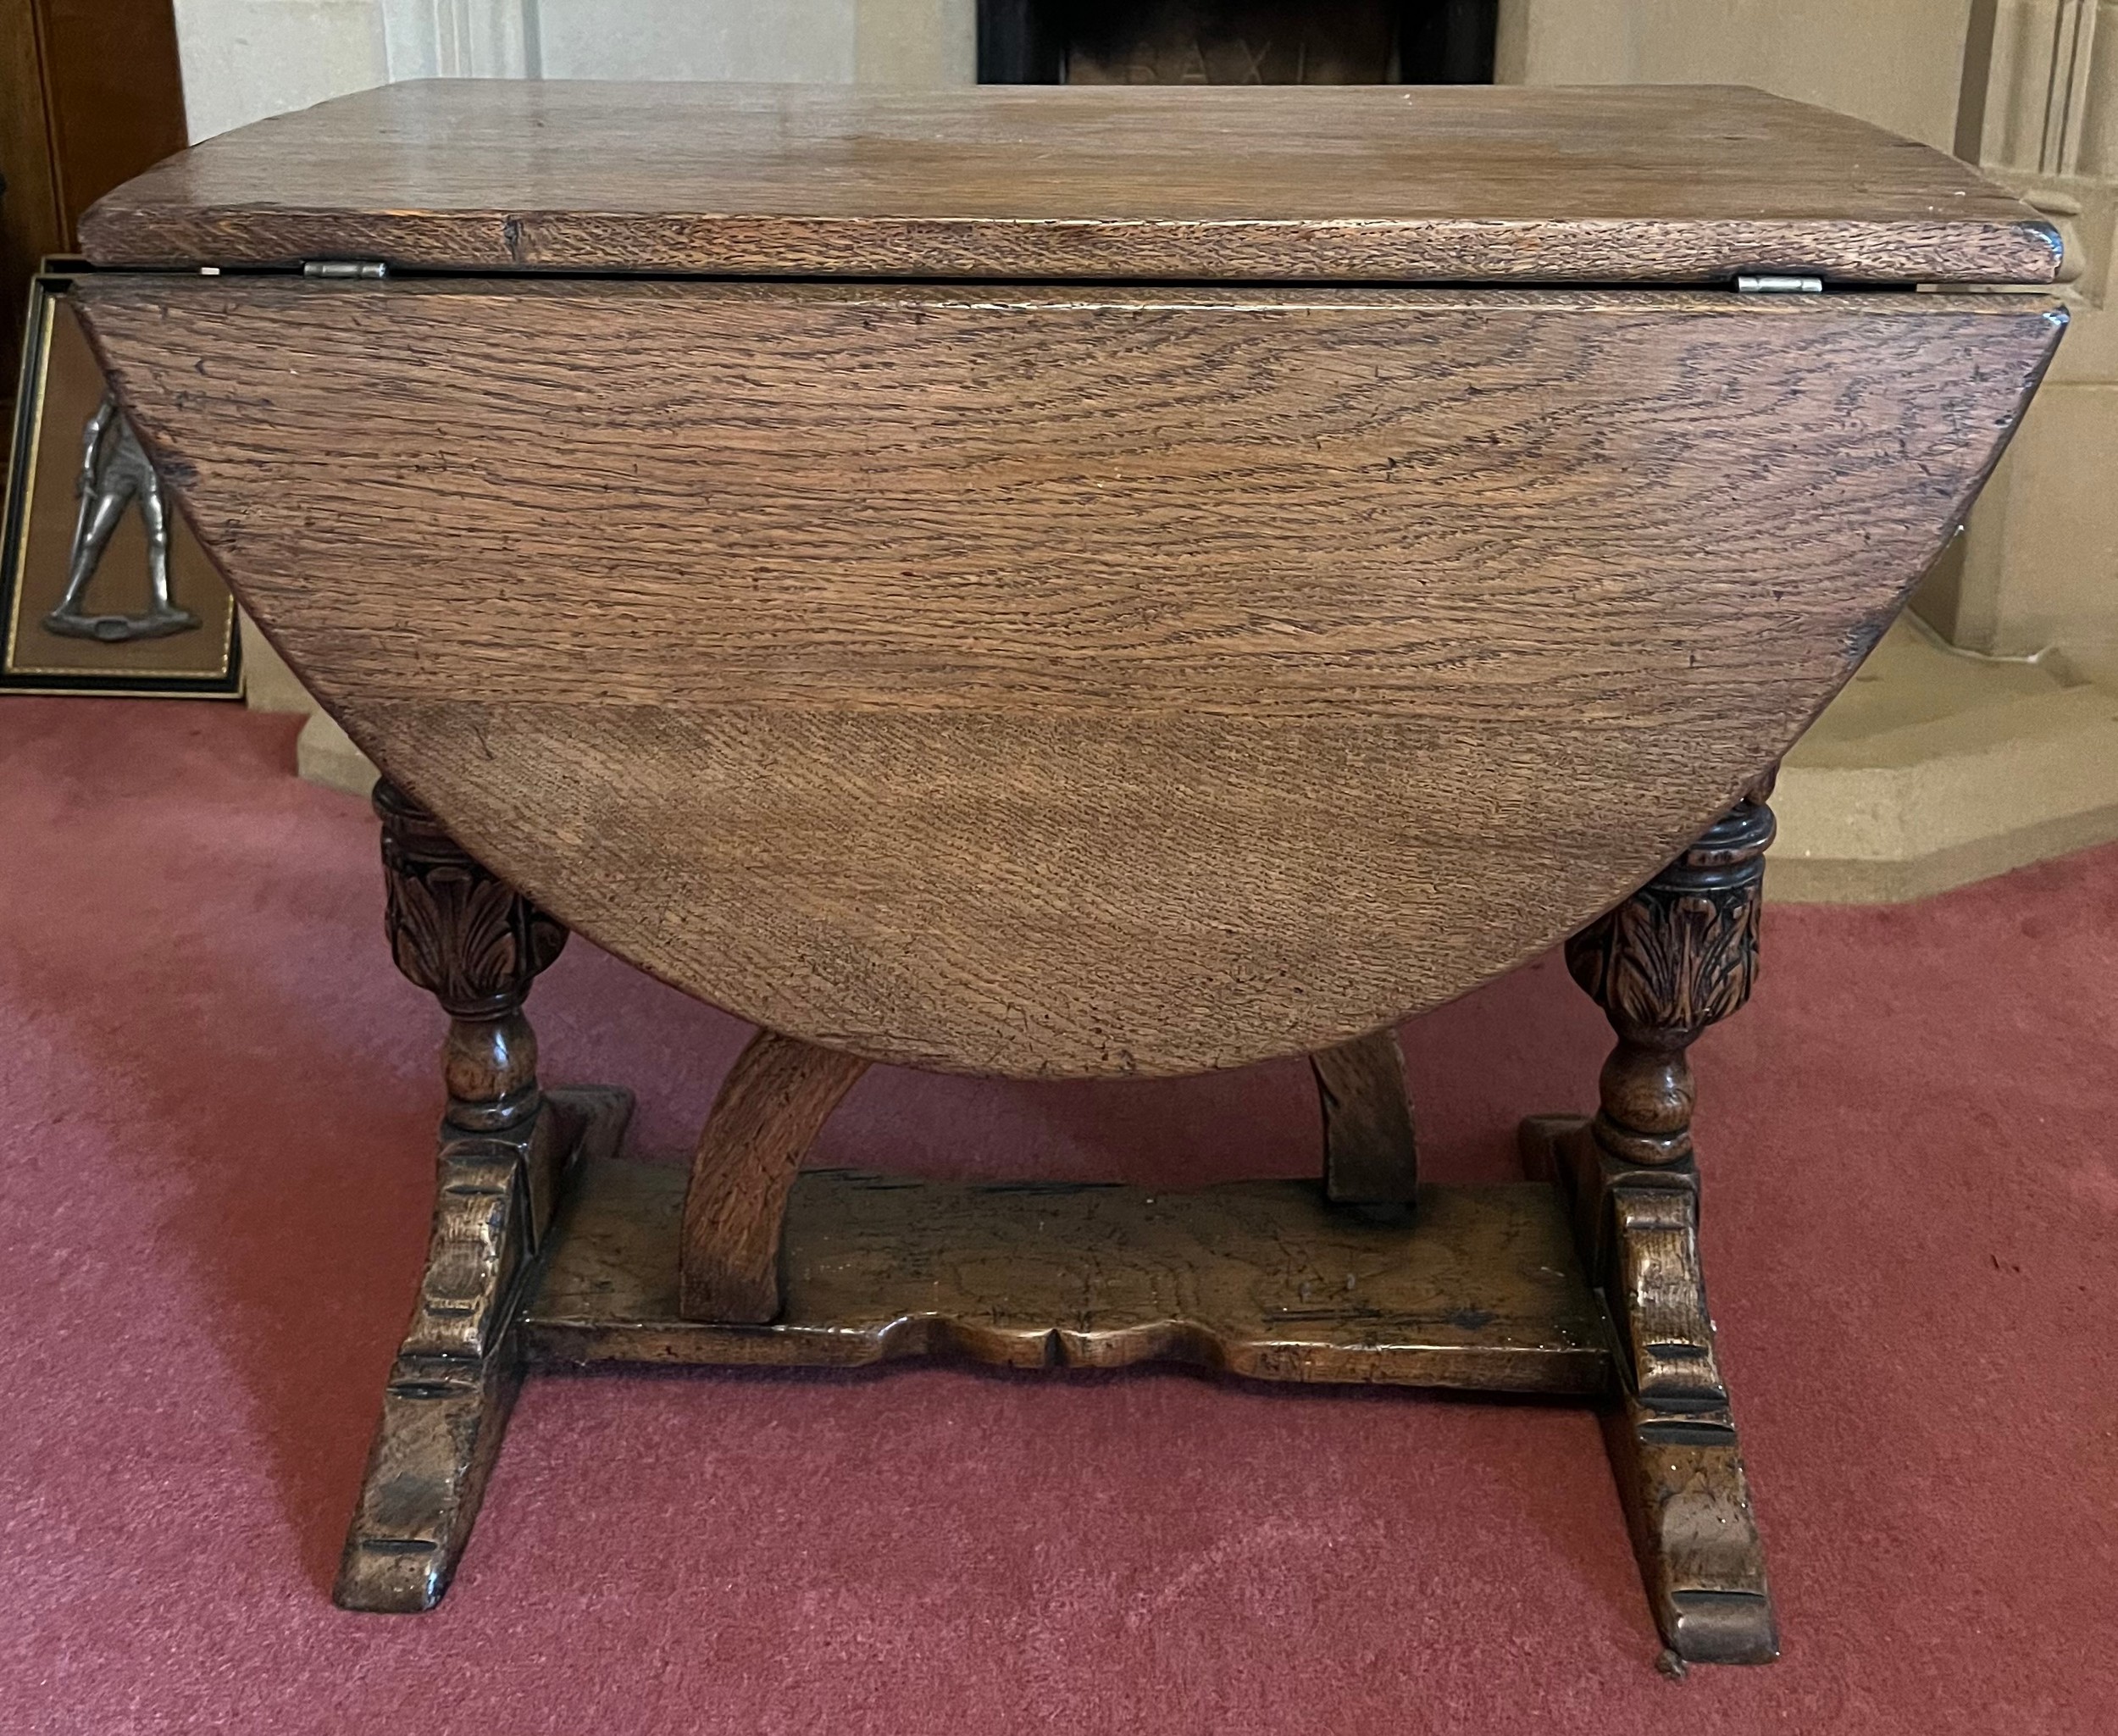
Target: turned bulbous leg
[(1678, 955), (476, 945)]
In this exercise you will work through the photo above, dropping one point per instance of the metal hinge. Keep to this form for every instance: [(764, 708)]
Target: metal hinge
[(1773, 284), (344, 267)]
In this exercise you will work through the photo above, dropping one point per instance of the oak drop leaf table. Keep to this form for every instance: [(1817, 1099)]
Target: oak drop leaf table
[(1073, 582)]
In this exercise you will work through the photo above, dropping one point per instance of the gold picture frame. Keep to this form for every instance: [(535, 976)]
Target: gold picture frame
[(81, 495)]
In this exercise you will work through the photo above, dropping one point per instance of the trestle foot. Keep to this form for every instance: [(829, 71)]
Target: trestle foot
[(450, 1391), (1678, 955)]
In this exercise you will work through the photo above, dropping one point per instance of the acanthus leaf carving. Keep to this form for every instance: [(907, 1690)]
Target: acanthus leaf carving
[(1682, 952), (1679, 954), (455, 928)]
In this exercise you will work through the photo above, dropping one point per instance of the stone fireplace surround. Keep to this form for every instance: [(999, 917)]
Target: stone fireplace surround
[(1235, 42)]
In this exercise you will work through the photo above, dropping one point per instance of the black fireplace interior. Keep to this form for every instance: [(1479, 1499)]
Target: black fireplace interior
[(1236, 42)]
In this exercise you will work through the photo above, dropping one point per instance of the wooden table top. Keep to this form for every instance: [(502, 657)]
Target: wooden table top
[(1062, 680), (1458, 183), (1061, 677)]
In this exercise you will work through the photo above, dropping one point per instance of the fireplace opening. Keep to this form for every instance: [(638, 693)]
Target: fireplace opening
[(1235, 42)]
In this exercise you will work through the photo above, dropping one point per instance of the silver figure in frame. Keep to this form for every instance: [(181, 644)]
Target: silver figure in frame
[(114, 473)]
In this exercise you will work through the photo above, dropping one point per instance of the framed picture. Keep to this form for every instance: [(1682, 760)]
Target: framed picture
[(102, 587)]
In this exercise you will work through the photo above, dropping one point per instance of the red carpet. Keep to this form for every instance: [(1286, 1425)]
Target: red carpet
[(216, 1103)]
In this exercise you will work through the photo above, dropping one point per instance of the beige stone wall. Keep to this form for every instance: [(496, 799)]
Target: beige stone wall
[(1897, 63), (2039, 89), (245, 59), (2038, 569)]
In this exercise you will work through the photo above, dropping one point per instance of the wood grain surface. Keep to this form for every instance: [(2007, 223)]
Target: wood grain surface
[(1258, 1279), (1658, 183), (1668, 1426), (454, 1381), (1371, 1151), (769, 1110), (1058, 681)]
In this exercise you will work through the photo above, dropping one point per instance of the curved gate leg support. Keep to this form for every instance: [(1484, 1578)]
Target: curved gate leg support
[(770, 1109), (466, 937), (1371, 1153), (1678, 955)]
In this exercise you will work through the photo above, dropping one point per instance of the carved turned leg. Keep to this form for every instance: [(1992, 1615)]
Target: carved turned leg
[(1677, 956), (465, 936)]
